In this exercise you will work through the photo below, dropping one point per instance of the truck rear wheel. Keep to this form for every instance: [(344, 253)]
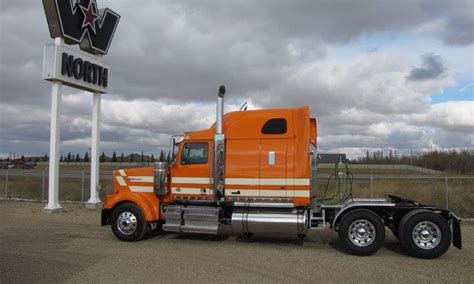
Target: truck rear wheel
[(362, 232), (425, 235), (128, 222)]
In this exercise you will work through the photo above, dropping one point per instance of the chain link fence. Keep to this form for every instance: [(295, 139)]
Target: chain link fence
[(455, 193), (33, 185)]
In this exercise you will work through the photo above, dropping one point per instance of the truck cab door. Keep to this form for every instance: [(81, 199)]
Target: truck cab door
[(191, 172)]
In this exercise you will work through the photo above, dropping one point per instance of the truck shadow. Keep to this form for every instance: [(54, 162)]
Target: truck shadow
[(201, 237), (270, 240), (396, 247), (336, 245), (159, 234)]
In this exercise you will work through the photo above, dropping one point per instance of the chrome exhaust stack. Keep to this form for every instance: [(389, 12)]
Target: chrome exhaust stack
[(219, 148), (220, 110)]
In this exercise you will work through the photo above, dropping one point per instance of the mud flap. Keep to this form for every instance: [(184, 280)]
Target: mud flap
[(105, 217), (457, 241)]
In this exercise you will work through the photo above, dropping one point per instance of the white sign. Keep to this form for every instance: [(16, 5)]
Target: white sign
[(75, 68)]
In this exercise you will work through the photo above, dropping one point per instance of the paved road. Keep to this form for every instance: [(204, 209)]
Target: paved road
[(72, 247)]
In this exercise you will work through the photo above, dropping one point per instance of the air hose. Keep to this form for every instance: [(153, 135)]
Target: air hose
[(344, 180)]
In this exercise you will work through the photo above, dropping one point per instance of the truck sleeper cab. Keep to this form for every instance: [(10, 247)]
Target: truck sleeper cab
[(253, 172)]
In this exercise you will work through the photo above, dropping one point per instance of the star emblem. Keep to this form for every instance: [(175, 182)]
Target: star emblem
[(90, 17)]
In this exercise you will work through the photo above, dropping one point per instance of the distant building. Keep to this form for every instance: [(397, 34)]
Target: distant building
[(331, 158)]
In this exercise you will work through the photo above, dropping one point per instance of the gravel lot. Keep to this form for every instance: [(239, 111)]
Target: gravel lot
[(73, 247)]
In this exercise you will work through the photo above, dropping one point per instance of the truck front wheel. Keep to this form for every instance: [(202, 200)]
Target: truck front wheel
[(362, 232), (128, 222), (425, 235)]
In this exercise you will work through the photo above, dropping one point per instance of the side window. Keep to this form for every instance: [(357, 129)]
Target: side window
[(194, 153), (274, 126)]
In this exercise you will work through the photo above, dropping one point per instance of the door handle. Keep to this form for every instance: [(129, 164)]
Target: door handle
[(235, 192)]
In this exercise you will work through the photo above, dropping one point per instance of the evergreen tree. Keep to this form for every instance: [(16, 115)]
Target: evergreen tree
[(162, 156), (142, 159), (152, 158), (86, 157), (46, 158), (122, 158), (168, 158), (22, 158), (102, 157), (68, 159), (114, 157), (78, 158), (131, 158), (61, 159)]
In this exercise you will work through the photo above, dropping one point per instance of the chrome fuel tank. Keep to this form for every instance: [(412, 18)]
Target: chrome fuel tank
[(273, 221)]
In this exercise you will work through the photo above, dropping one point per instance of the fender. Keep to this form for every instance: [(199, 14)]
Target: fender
[(148, 203), (366, 204)]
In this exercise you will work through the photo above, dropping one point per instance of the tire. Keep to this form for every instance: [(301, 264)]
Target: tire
[(362, 232), (405, 219), (128, 223), (426, 235)]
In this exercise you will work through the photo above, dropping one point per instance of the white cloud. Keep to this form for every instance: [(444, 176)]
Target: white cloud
[(454, 116), (168, 59)]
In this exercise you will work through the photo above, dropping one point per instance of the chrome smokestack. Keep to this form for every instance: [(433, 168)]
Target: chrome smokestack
[(220, 109), (219, 148)]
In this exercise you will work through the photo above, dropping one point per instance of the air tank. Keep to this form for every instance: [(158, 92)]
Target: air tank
[(269, 221)]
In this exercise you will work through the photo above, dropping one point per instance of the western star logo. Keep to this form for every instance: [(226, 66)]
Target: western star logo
[(84, 70), (89, 17), (81, 22)]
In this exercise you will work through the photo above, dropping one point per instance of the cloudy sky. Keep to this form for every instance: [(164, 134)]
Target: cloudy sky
[(376, 74)]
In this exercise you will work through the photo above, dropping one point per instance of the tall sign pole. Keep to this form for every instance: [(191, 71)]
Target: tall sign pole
[(95, 150), (94, 201), (77, 22), (56, 96)]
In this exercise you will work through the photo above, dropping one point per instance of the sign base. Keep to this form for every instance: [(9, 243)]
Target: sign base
[(53, 211), (94, 206)]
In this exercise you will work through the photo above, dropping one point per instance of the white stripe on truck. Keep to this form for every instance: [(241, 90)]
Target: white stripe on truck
[(140, 178), (136, 188), (244, 181)]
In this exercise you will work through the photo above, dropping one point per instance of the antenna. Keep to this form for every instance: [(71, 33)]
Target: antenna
[(243, 107)]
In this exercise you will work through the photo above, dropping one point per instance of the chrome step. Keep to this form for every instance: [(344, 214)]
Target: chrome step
[(191, 219)]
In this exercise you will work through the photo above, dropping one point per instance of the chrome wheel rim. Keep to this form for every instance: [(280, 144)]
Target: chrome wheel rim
[(127, 223), (362, 233), (426, 235)]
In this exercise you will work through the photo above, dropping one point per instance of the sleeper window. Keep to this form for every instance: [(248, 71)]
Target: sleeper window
[(274, 126)]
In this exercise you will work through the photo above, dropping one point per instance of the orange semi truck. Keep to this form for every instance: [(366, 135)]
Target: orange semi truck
[(254, 172)]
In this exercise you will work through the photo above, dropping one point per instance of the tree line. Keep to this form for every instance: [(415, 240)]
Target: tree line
[(122, 158), (451, 161)]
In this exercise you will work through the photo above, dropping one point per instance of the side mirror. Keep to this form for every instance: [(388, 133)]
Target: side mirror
[(175, 140)]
